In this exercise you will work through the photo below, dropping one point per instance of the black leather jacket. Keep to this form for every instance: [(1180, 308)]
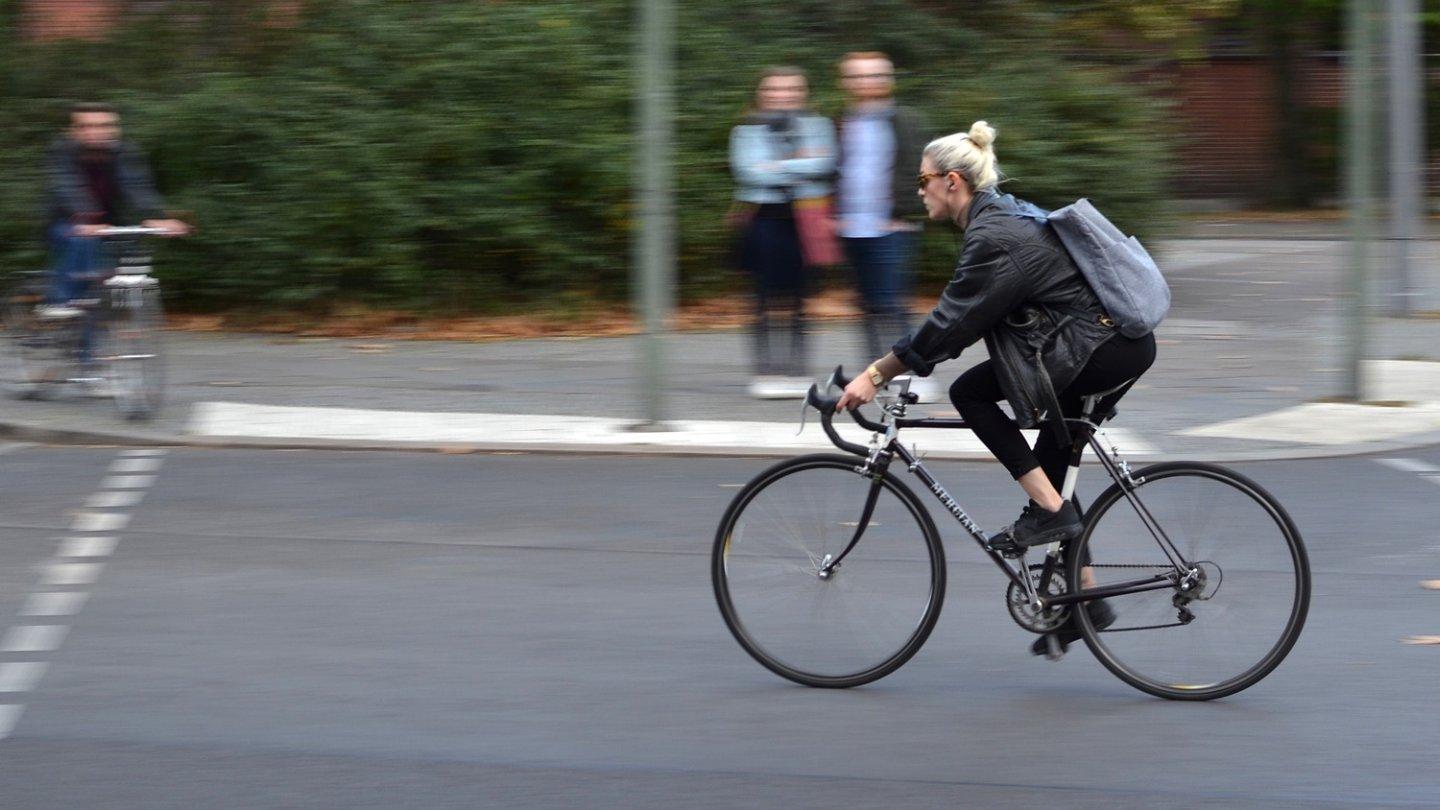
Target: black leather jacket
[(1017, 288)]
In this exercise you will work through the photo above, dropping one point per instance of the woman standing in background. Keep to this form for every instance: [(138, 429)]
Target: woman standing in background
[(781, 156)]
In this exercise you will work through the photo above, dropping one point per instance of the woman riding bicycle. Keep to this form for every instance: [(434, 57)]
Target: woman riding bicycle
[(1016, 288)]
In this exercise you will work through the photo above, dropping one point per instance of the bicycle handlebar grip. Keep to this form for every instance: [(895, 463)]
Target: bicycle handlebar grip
[(837, 377), (820, 403), (826, 407)]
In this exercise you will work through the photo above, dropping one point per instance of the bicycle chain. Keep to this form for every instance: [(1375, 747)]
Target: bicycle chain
[(1142, 627)]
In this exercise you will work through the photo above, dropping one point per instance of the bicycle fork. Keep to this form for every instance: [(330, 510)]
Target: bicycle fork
[(829, 564)]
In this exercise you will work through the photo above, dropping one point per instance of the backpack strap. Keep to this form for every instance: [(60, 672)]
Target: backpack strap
[(1057, 414), (1030, 210)]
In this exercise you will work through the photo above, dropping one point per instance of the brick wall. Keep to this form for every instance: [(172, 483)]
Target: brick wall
[(91, 19), (1228, 111), (66, 19)]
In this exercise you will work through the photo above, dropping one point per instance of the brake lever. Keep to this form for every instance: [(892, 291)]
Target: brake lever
[(804, 412)]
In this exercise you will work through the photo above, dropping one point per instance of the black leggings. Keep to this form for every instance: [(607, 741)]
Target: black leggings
[(976, 395)]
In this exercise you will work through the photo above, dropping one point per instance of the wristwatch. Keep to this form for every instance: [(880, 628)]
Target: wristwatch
[(875, 376)]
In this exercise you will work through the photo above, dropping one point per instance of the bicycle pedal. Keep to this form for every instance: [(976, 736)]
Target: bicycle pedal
[(1004, 545)]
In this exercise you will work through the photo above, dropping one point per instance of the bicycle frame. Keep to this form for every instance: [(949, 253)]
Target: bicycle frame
[(881, 456), (119, 287)]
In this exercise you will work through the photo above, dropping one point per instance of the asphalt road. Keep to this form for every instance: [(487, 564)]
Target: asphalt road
[(308, 629)]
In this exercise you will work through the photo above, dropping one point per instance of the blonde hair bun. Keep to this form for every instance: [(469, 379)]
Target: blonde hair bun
[(969, 153), (982, 134)]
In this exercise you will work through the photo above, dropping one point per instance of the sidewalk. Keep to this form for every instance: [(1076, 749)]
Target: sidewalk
[(1250, 349)]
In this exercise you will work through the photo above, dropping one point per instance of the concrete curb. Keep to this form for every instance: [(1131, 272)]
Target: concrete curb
[(42, 434)]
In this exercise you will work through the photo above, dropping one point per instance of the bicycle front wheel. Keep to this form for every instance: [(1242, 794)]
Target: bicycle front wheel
[(1236, 623), (866, 617), (131, 350)]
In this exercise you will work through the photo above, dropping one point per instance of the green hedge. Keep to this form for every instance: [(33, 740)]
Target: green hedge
[(467, 156)]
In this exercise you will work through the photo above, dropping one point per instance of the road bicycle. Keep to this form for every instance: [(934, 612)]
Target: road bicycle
[(829, 570), (108, 340)]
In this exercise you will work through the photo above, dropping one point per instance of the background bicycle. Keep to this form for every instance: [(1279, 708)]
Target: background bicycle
[(107, 342), (829, 571)]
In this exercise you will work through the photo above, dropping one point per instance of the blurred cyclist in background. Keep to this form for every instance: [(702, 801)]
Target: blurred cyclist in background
[(94, 180)]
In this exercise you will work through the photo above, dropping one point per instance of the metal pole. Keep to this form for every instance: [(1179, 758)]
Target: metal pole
[(1407, 125), (1360, 116), (654, 253)]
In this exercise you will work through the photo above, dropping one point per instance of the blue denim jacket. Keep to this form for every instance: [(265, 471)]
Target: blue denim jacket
[(764, 165)]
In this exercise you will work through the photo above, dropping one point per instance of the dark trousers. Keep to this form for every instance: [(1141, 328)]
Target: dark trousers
[(882, 272), (76, 258), (976, 395), (772, 257), (75, 262)]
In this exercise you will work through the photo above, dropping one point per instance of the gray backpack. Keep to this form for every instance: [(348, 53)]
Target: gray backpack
[(1118, 267)]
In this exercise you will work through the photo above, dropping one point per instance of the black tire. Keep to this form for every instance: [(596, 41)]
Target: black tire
[(132, 350), (1264, 564), (901, 548), (34, 354)]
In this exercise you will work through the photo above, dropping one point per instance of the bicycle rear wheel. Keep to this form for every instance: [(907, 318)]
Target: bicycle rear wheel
[(35, 352), (130, 349), (1249, 607), (870, 615)]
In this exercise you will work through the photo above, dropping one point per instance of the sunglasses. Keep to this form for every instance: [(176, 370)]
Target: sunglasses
[(923, 179)]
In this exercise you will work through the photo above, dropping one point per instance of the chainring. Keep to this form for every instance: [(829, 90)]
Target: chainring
[(1043, 621)]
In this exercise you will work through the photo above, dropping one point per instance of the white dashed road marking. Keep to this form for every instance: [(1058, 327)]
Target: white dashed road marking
[(135, 465), (100, 522), (34, 638), (128, 481), (58, 603), (71, 573), (87, 546), (21, 676), (143, 452), (9, 716), (58, 592), (115, 499)]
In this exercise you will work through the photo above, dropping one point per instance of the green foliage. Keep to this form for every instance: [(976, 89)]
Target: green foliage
[(466, 156)]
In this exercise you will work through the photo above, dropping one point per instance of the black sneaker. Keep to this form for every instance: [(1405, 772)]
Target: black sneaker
[(1101, 615), (1038, 527)]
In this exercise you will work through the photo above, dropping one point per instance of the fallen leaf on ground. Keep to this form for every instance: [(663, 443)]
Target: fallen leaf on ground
[(1431, 584), (1421, 640)]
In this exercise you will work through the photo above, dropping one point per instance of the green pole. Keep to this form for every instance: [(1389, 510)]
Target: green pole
[(1359, 181), (654, 251)]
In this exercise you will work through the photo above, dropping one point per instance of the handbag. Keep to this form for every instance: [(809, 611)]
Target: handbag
[(815, 223)]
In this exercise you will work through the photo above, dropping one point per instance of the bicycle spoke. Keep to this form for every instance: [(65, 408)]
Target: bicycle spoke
[(1250, 593), (827, 627)]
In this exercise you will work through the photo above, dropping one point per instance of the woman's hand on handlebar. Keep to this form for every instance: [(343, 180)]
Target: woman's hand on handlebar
[(859, 392)]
